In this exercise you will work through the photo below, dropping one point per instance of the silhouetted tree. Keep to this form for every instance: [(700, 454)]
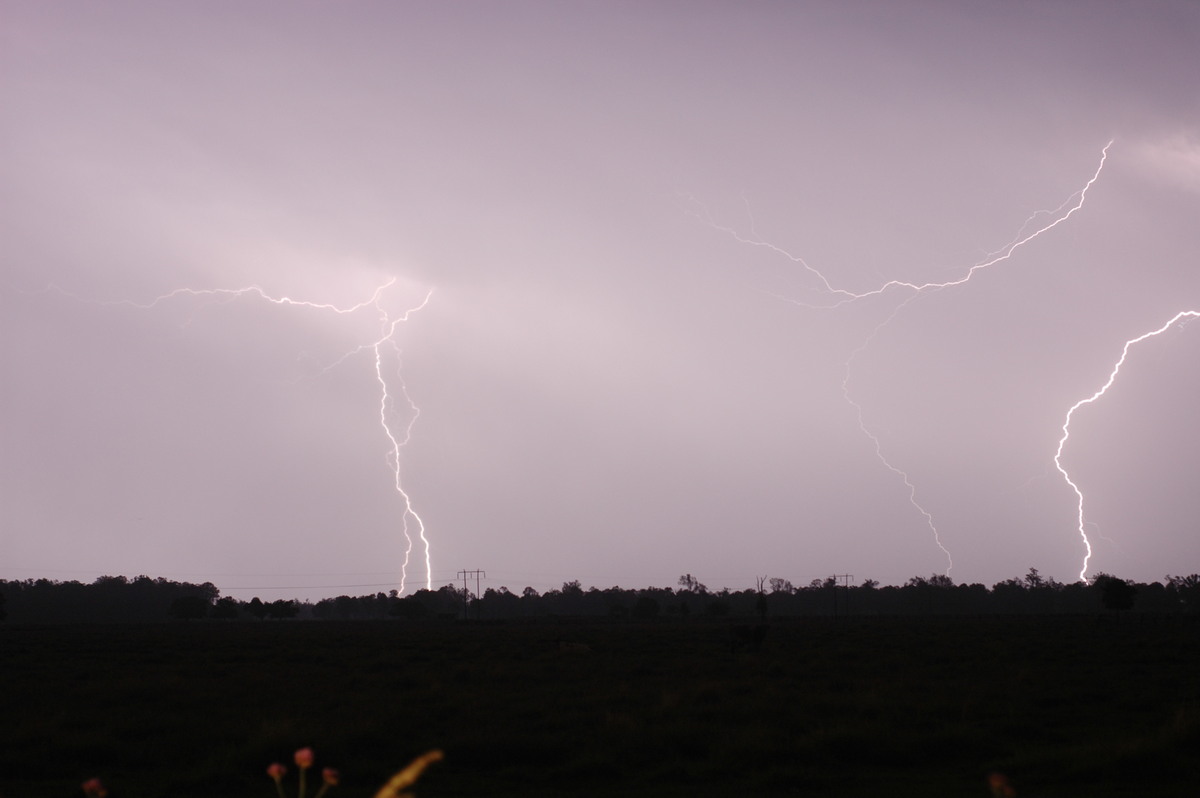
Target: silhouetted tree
[(410, 607), (429, 603), (1115, 594), (570, 598), (1154, 597), (529, 601), (864, 598), (502, 603), (345, 606), (928, 592), (225, 609), (256, 608), (283, 608), (1010, 596), (189, 608), (1186, 590)]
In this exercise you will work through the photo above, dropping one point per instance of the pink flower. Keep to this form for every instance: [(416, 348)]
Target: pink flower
[(304, 758), (276, 771), (92, 788), (330, 776)]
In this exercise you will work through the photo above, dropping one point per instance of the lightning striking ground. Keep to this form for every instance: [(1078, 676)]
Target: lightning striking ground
[(842, 296), (385, 399), (862, 426), (386, 337), (1066, 427)]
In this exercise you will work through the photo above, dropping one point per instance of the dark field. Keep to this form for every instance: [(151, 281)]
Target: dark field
[(1079, 706)]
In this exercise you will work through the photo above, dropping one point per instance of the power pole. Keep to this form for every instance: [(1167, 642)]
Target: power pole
[(466, 604), (845, 579)]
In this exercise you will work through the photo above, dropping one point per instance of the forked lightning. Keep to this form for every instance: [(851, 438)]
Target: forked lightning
[(842, 296), (387, 336), (1066, 427)]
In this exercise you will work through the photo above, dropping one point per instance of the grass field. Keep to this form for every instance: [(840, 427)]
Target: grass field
[(1063, 706)]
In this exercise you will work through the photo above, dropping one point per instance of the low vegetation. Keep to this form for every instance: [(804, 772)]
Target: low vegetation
[(1098, 704), (117, 599)]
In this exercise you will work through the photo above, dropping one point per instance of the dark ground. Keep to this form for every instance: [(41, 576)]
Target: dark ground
[(1063, 706)]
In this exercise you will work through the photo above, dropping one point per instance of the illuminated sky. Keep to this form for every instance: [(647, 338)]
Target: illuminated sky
[(612, 387)]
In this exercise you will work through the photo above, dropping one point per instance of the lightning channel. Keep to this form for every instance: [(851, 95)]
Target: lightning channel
[(1033, 227), (386, 338), (1066, 427), (398, 443), (862, 426), (230, 293), (843, 295)]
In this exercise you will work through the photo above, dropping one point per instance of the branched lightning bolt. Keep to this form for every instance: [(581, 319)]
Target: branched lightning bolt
[(399, 443), (843, 296), (387, 336), (230, 293), (1004, 253), (1066, 427)]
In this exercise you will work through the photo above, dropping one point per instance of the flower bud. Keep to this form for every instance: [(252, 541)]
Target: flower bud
[(304, 758)]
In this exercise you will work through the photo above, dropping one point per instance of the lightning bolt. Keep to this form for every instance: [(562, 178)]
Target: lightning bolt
[(842, 296), (229, 293), (1066, 427), (390, 326), (862, 426), (386, 337)]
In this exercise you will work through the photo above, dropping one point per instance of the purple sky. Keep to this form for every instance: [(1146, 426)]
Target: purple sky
[(612, 386)]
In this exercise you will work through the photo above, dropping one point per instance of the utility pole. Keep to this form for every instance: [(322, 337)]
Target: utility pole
[(845, 579), (466, 603)]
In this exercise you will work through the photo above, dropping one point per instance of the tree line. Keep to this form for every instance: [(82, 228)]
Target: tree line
[(118, 599)]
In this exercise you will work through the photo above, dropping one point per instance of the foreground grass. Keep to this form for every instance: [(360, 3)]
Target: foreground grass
[(1062, 706)]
